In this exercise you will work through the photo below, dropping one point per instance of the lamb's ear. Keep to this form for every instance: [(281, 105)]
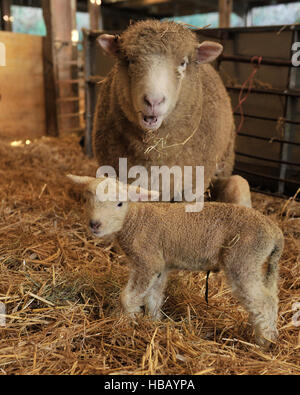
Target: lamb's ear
[(208, 51), (82, 180), (109, 44)]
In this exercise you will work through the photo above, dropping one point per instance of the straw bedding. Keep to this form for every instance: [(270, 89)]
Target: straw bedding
[(60, 287)]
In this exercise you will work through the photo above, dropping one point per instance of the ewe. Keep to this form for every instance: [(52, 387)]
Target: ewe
[(164, 104)]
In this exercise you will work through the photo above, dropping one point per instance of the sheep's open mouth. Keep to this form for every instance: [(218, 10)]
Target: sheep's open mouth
[(150, 121)]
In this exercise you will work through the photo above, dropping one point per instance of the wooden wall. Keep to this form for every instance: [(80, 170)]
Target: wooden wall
[(22, 98)]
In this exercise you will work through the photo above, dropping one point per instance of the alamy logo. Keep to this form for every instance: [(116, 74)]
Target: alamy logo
[(188, 185), (2, 314), (296, 55), (296, 316), (2, 55)]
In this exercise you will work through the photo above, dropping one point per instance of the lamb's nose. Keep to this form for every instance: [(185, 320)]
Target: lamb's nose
[(95, 225), (154, 101)]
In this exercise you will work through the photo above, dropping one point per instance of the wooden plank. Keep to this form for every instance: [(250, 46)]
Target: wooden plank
[(22, 87), (225, 9), (60, 19), (95, 16), (50, 77)]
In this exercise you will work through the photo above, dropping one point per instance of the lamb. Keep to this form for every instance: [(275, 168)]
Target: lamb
[(160, 237), (163, 104)]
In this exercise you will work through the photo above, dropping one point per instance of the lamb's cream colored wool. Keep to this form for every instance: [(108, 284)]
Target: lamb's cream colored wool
[(159, 237), (163, 103)]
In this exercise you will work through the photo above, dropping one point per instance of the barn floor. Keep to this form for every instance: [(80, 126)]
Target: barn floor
[(60, 287)]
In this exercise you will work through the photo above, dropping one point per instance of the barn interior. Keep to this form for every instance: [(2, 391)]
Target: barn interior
[(59, 287)]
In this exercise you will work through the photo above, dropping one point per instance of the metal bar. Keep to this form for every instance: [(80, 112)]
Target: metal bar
[(276, 194), (219, 32), (268, 139), (247, 59), (69, 99), (68, 42), (94, 79), (268, 118), (278, 92), (71, 115), (69, 81), (258, 29), (70, 63), (238, 169), (93, 34), (289, 113), (267, 159), (74, 130), (89, 95)]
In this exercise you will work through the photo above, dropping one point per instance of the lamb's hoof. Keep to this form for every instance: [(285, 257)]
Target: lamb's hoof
[(266, 339), (154, 314), (133, 312)]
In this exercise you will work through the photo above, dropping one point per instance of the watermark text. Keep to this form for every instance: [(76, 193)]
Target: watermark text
[(2, 55), (160, 182), (2, 314)]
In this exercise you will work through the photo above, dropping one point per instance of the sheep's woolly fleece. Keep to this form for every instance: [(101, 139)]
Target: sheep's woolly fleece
[(199, 129), (60, 287)]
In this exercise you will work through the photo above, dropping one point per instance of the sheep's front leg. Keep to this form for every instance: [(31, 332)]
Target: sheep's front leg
[(134, 294), (154, 296)]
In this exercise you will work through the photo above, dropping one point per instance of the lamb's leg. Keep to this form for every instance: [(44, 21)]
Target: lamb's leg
[(234, 189), (154, 297), (138, 286), (262, 305)]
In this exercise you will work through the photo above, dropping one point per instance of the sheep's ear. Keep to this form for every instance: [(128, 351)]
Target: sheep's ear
[(208, 51), (142, 194), (82, 180), (109, 44), (151, 195)]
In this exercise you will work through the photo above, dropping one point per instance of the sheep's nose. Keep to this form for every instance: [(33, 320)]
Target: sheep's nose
[(154, 101), (95, 225)]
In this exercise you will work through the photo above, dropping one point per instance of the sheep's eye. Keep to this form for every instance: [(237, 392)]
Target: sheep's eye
[(120, 204), (183, 64)]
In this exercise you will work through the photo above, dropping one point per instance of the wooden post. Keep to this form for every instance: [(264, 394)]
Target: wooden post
[(50, 76), (60, 64), (6, 18), (225, 9), (95, 14)]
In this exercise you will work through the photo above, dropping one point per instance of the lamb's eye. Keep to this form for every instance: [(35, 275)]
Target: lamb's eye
[(120, 204)]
